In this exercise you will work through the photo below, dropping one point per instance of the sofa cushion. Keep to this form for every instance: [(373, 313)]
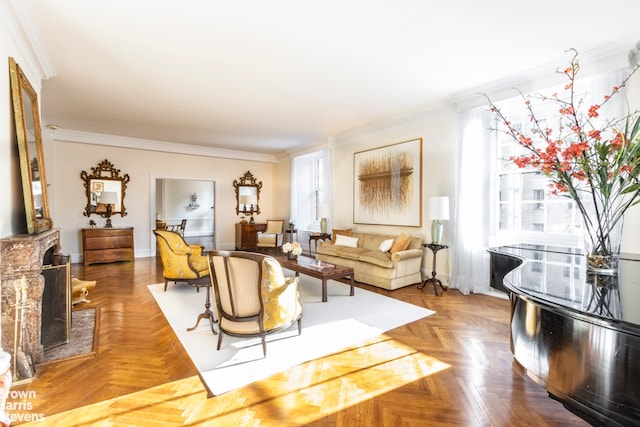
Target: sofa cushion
[(371, 241), (400, 243), (335, 233), (328, 250), (386, 245), (351, 253), (267, 239), (347, 241), (383, 259)]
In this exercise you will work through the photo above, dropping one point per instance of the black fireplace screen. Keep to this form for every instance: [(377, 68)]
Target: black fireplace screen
[(56, 301)]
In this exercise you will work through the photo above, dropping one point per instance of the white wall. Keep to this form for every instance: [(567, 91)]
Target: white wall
[(8, 161), (439, 133), (12, 213), (143, 167), (281, 197)]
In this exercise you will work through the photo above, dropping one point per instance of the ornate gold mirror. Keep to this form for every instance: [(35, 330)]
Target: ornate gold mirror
[(247, 195), (105, 189), (29, 136)]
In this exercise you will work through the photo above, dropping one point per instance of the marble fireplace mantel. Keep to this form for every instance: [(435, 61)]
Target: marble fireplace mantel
[(23, 257)]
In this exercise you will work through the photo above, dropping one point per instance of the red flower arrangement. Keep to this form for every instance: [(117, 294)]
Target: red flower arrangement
[(595, 164)]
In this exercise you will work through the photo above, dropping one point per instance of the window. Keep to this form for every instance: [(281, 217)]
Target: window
[(310, 187), (318, 171), (496, 203), (524, 208), (528, 212)]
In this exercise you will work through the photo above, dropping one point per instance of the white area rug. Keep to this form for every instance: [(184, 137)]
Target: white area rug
[(328, 327)]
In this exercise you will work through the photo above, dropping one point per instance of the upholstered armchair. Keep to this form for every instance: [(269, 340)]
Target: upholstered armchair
[(272, 236), (181, 262), (252, 295)]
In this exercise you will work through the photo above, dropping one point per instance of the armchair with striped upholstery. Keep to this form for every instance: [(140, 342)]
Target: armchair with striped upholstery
[(252, 295)]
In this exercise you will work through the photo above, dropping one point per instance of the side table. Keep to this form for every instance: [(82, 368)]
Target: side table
[(315, 237), (436, 282), (288, 235)]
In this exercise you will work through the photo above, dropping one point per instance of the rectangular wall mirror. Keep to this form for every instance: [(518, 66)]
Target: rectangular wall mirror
[(29, 136)]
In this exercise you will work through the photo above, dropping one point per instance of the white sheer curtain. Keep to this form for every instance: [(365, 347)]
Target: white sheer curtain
[(470, 267), (327, 184), (303, 188), (475, 194)]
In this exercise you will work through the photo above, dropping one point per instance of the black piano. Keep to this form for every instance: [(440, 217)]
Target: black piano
[(577, 334)]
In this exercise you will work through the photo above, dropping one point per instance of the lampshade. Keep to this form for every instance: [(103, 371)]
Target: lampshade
[(244, 200), (252, 200), (438, 208), (323, 210), (109, 198)]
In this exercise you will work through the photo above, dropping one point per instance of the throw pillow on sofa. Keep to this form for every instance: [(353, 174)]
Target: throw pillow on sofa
[(336, 233), (400, 243), (347, 241), (386, 245)]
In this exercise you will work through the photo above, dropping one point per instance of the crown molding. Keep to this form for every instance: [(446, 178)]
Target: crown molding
[(318, 145), (432, 113), (67, 135), (604, 59), (17, 19)]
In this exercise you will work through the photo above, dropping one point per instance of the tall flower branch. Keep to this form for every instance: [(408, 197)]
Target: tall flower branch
[(595, 164)]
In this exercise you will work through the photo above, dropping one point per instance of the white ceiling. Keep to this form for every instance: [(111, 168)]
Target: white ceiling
[(267, 76)]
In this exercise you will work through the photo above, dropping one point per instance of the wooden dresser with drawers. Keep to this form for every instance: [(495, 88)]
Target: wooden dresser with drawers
[(107, 244)]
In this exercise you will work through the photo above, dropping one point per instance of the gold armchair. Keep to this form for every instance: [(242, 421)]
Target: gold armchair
[(181, 262), (252, 295)]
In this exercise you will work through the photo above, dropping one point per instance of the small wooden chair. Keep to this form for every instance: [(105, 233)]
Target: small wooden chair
[(178, 228)]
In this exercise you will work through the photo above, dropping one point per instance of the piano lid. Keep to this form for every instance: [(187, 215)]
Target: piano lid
[(558, 277)]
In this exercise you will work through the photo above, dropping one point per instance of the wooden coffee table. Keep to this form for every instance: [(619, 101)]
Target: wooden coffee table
[(320, 270)]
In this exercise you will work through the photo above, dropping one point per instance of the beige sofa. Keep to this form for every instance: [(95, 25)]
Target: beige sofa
[(371, 265)]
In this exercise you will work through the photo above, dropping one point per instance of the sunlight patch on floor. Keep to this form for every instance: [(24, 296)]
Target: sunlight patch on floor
[(299, 395)]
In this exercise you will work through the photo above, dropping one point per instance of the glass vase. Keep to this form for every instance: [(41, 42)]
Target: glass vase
[(291, 256), (602, 245)]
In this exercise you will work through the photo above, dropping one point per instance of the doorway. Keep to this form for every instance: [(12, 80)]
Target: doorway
[(192, 200)]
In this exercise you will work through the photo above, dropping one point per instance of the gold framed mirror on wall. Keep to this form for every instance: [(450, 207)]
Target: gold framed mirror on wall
[(28, 133), (247, 194), (102, 183)]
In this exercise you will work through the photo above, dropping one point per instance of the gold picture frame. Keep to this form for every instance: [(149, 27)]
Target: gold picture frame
[(28, 133), (101, 178), (388, 185)]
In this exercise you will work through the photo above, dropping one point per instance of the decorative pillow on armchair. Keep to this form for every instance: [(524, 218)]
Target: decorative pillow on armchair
[(279, 295)]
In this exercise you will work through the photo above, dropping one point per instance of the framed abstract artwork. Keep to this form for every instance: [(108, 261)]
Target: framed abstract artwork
[(388, 185)]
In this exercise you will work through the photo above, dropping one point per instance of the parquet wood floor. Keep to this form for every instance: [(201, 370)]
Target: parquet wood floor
[(451, 369)]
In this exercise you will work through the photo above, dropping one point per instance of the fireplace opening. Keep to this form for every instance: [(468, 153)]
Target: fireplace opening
[(56, 300)]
